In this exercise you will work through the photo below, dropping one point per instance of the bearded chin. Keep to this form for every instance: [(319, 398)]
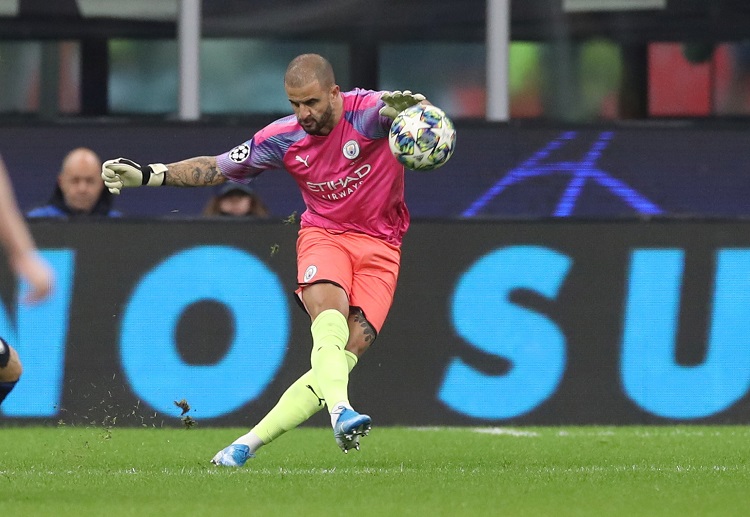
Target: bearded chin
[(322, 124)]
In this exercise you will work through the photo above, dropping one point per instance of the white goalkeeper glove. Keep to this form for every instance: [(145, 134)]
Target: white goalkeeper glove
[(398, 101), (121, 172)]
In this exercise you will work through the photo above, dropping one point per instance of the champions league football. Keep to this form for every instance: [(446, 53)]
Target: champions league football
[(422, 137)]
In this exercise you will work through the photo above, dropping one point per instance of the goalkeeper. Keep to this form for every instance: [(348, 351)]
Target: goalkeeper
[(335, 146), (25, 262)]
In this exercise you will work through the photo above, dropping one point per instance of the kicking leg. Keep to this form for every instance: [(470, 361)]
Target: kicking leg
[(299, 402)]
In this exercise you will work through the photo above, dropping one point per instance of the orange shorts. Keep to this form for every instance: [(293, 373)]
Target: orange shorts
[(366, 268)]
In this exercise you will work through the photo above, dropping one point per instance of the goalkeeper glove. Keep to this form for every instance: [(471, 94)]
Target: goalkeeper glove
[(398, 101), (122, 172)]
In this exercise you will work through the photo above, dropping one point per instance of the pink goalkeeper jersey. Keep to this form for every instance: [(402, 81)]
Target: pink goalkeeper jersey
[(349, 179)]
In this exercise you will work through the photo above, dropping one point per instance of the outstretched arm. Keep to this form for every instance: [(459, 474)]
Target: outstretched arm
[(15, 237), (194, 172), (200, 171)]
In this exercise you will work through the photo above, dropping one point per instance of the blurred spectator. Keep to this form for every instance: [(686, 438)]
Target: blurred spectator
[(236, 200), (79, 191)]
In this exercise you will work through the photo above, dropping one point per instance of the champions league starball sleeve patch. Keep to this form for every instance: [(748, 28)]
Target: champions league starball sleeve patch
[(240, 153)]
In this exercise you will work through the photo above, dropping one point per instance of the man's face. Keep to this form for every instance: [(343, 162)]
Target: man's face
[(81, 185), (314, 107)]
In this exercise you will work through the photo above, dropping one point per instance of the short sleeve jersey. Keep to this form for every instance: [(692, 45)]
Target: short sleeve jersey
[(349, 179)]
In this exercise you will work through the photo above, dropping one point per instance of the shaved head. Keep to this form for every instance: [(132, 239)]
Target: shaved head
[(81, 158), (307, 69), (313, 93)]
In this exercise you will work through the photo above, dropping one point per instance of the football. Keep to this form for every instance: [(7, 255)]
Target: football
[(422, 137)]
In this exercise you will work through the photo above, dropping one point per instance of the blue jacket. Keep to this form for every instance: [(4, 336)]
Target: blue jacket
[(56, 207)]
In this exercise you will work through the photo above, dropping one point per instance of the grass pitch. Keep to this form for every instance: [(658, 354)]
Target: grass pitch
[(559, 471)]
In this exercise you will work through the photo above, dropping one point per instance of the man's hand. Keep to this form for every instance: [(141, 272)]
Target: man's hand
[(122, 172), (398, 101), (37, 273)]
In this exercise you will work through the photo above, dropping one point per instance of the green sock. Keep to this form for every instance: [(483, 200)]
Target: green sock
[(298, 403), (330, 333)]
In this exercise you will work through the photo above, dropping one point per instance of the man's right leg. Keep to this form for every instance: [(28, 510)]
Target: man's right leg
[(298, 403)]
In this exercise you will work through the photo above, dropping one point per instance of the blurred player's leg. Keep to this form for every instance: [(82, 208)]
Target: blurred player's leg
[(10, 369)]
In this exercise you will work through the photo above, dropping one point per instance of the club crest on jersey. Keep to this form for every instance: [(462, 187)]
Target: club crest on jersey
[(351, 149), (239, 153), (309, 273)]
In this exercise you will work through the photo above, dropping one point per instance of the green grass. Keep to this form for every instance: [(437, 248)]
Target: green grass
[(558, 471)]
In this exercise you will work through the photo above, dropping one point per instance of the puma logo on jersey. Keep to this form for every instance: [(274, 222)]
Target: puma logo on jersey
[(303, 160)]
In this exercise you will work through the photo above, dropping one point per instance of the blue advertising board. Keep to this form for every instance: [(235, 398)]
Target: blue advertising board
[(529, 323)]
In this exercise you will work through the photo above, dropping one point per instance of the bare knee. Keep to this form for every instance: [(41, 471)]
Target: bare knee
[(323, 296), (10, 364)]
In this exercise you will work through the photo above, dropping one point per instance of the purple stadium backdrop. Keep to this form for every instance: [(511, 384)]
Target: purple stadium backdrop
[(514, 171)]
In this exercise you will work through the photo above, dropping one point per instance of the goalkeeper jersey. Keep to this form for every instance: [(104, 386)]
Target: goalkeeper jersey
[(349, 179)]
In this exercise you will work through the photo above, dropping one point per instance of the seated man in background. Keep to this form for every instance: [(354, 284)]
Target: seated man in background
[(79, 191)]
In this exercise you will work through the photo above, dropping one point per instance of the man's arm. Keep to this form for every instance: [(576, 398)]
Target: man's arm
[(15, 237), (200, 171), (194, 172)]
